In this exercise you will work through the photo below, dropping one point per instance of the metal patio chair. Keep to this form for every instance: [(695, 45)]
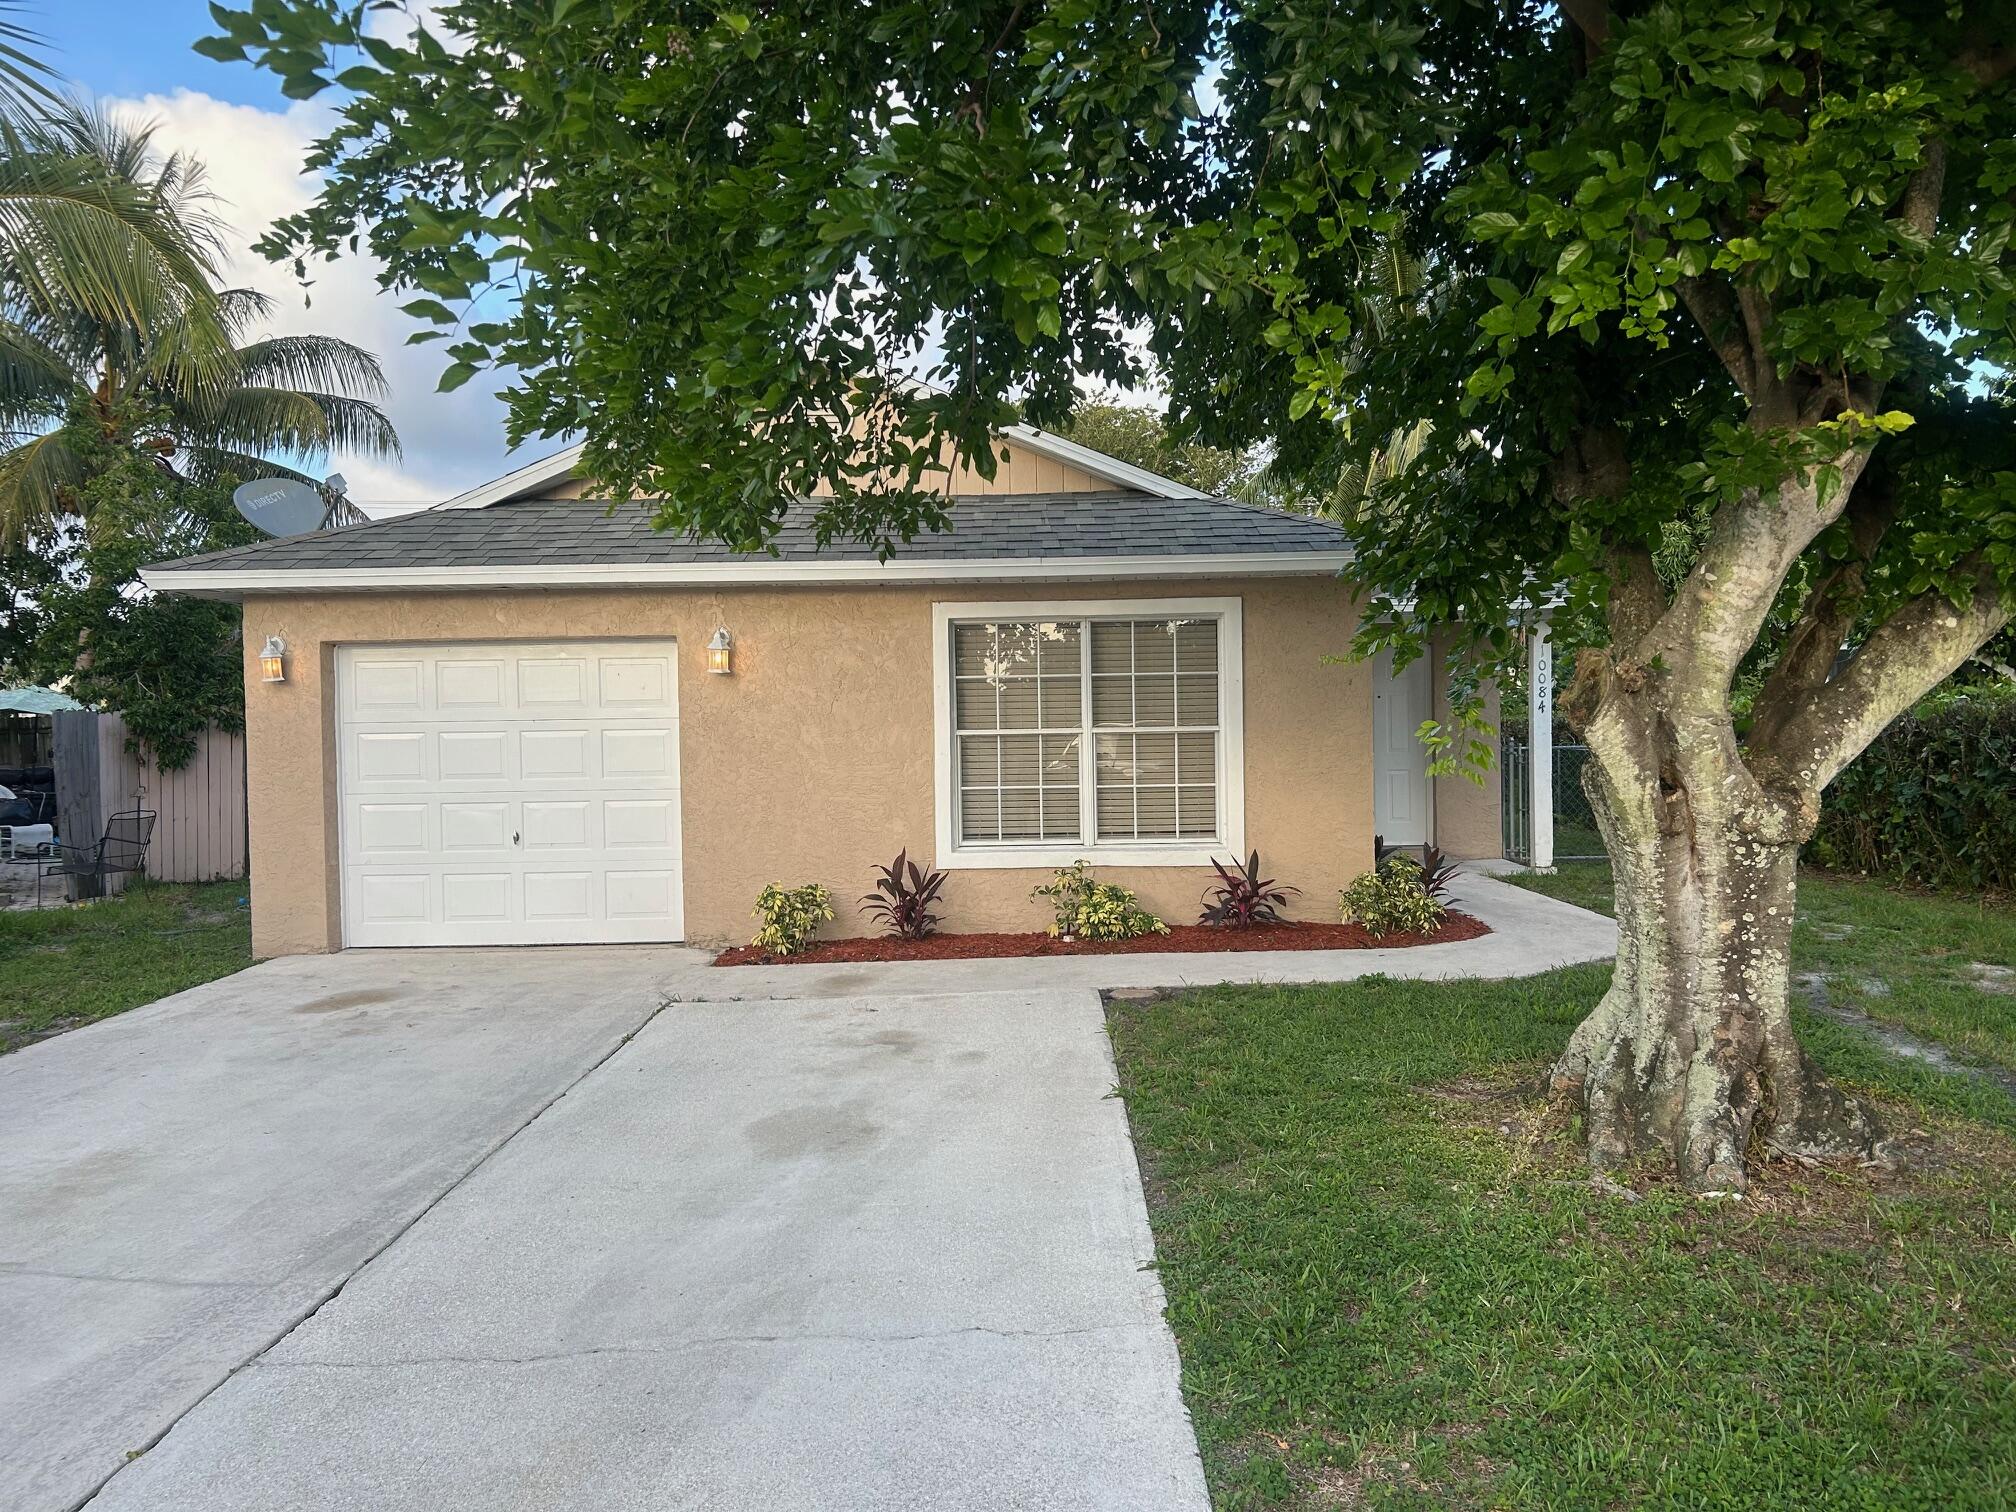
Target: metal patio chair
[(122, 848)]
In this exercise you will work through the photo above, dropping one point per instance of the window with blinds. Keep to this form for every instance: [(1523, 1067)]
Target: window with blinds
[(1086, 730)]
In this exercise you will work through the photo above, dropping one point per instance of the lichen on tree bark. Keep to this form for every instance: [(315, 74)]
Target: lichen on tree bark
[(1691, 1052)]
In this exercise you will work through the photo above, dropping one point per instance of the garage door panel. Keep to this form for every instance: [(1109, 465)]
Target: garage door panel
[(385, 897), (636, 682), (553, 895), (473, 755), (466, 685), (638, 894), (475, 826), (628, 754), (630, 824), (554, 755), (397, 830), (502, 794), (476, 897), (391, 756), (552, 685), (393, 687), (556, 825)]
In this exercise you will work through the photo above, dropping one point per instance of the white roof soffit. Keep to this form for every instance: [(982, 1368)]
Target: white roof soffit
[(234, 582), (563, 465)]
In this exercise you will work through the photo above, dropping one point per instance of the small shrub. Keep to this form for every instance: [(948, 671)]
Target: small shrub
[(1438, 874), (790, 915), (1088, 909), (903, 897), (1241, 897), (1391, 899), (1933, 800)]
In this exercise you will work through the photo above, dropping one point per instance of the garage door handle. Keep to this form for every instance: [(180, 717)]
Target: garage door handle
[(514, 837)]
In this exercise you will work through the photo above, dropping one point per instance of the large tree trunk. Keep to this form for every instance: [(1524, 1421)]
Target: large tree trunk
[(1691, 1053)]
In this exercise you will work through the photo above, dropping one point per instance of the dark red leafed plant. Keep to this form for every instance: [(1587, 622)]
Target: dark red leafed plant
[(903, 897), (1241, 897), (1438, 873)]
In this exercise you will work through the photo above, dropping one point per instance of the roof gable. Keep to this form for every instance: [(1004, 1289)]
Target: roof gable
[(538, 479)]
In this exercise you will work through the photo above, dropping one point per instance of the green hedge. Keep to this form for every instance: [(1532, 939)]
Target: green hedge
[(1933, 800)]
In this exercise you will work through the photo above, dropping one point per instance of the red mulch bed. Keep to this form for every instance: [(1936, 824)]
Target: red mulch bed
[(1182, 938)]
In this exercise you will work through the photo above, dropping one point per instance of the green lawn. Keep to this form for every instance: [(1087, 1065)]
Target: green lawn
[(65, 966), (1936, 964), (1394, 1288)]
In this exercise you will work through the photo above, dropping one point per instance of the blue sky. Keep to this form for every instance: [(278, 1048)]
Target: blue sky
[(135, 56), (128, 48)]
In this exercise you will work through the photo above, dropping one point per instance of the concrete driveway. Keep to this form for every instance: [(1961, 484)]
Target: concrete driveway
[(514, 1230)]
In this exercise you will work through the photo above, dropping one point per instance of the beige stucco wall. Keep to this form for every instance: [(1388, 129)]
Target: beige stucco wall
[(1467, 814), (814, 761)]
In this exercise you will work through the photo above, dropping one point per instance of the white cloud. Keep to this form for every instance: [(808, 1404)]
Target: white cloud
[(452, 441)]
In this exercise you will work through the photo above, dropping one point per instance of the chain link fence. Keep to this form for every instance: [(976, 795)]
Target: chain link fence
[(1576, 837)]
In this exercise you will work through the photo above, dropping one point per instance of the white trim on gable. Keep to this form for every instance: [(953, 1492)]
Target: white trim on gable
[(557, 468), (526, 481), (1099, 464)]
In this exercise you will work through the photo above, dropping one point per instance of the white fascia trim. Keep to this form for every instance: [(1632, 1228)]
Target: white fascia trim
[(757, 570), (1229, 612), (554, 469)]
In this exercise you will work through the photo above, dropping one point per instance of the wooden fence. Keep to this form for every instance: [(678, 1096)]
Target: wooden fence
[(200, 834), (24, 740)]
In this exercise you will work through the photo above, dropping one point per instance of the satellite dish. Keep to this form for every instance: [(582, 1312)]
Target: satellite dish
[(281, 506)]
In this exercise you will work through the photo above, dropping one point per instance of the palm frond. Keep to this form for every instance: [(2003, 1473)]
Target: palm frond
[(239, 309), (303, 423), (26, 79), (33, 478), (37, 381), (77, 232), (312, 362)]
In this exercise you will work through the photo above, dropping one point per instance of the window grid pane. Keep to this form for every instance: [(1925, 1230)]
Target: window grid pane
[(1155, 704), (1017, 715), (1021, 726)]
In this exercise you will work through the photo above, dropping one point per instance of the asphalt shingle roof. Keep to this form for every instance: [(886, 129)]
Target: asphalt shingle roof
[(542, 532)]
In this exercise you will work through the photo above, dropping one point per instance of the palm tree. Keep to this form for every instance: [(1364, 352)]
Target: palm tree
[(110, 314)]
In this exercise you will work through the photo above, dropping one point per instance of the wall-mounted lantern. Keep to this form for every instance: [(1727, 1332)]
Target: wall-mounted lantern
[(721, 653), (273, 659)]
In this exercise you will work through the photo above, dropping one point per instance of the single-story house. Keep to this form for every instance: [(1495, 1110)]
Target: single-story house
[(520, 717)]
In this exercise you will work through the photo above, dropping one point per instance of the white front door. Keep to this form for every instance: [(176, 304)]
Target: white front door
[(1400, 706), (509, 794)]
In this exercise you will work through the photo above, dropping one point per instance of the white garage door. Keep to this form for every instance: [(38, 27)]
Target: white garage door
[(509, 794)]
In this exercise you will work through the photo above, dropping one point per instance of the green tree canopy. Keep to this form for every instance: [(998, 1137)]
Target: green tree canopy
[(1726, 282), (1138, 434)]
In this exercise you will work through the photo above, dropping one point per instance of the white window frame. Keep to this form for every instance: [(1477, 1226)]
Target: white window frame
[(972, 855)]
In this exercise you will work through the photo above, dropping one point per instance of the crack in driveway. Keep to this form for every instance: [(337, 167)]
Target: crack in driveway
[(680, 1346)]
